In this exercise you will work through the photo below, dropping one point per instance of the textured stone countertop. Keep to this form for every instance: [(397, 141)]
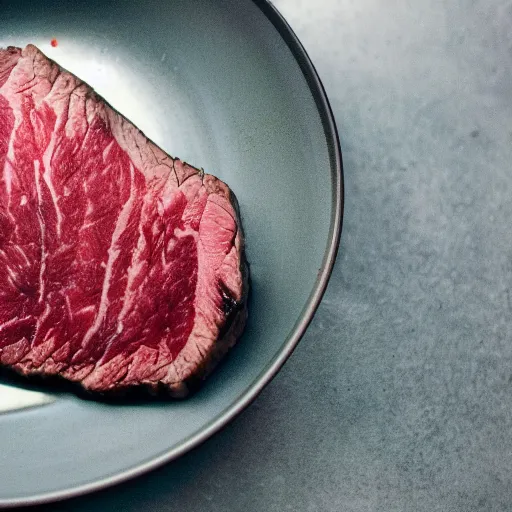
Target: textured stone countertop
[(399, 397)]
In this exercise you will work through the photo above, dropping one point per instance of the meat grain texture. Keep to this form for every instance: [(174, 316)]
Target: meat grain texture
[(120, 266)]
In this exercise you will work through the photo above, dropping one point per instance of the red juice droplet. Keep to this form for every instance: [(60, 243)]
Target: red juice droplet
[(54, 43)]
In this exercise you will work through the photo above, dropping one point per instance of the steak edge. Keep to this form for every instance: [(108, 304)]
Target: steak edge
[(120, 266)]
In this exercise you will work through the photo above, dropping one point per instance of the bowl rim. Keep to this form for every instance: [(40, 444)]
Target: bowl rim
[(248, 396)]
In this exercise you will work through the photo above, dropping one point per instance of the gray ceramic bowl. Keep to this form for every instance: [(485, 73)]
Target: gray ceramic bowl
[(225, 85)]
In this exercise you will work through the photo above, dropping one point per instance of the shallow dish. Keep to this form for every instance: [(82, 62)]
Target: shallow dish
[(227, 86)]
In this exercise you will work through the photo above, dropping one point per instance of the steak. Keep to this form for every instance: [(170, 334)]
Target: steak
[(120, 266)]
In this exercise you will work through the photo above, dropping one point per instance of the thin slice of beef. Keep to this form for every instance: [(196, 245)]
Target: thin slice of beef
[(120, 266)]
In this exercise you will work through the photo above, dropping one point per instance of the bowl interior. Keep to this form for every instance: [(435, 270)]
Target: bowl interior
[(215, 84)]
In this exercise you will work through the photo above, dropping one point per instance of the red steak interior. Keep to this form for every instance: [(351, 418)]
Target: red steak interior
[(120, 266)]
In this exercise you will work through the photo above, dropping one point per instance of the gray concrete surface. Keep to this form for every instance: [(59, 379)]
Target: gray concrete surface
[(399, 398)]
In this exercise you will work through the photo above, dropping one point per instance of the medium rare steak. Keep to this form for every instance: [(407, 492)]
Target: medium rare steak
[(120, 266)]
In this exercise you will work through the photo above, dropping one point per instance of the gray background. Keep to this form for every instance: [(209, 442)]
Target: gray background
[(399, 397)]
